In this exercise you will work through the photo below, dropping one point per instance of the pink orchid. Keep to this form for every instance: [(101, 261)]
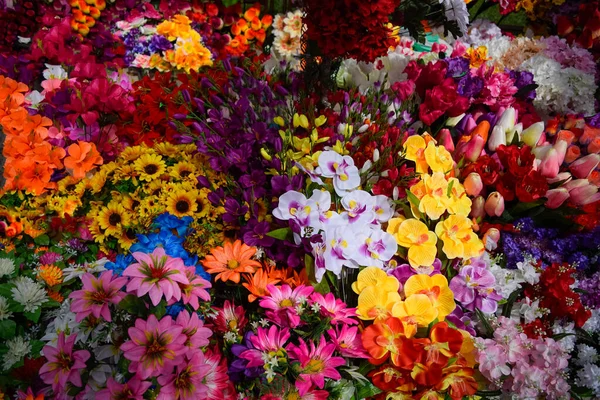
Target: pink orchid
[(156, 274), (264, 342), (133, 389), (63, 365), (96, 295), (186, 382), (154, 346), (316, 364), (193, 328), (282, 302), (334, 309)]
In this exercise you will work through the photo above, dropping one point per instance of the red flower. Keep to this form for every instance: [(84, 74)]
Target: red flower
[(532, 187), (442, 99), (487, 168), (519, 161)]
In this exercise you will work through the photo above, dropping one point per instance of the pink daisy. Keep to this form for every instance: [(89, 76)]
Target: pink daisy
[(282, 302), (347, 341), (195, 289), (217, 380), (193, 328), (264, 342), (334, 309), (155, 346), (186, 382), (133, 389), (316, 364), (156, 274), (97, 294), (230, 318), (63, 365)]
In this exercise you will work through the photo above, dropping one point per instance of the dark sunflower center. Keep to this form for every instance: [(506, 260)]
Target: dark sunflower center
[(130, 234), (184, 173), (114, 219), (135, 204), (70, 187), (151, 169), (182, 206)]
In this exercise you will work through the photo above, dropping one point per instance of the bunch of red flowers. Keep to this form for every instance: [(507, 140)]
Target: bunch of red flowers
[(350, 28), (582, 28)]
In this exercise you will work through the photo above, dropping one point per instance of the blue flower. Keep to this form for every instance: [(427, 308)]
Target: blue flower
[(168, 222), (121, 262), (174, 309)]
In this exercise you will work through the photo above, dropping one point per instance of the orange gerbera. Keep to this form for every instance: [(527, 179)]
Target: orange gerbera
[(257, 283), (82, 157), (231, 260)]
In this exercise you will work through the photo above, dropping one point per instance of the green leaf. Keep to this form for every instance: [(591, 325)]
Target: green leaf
[(42, 240), (507, 308), (488, 328), (159, 310), (562, 335), (34, 316), (449, 191), (281, 234), (134, 305), (366, 390), (522, 208), (5, 290), (229, 3), (414, 200), (8, 327), (36, 347)]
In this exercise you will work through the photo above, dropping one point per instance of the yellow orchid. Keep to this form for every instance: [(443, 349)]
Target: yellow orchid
[(435, 288), (438, 158), (458, 202), (375, 277), (414, 148), (419, 240), (375, 303), (433, 202), (416, 311), (300, 120), (459, 239), (394, 224)]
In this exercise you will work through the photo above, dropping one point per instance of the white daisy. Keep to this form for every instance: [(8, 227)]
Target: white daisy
[(28, 293), (4, 311), (7, 267), (17, 349), (293, 23)]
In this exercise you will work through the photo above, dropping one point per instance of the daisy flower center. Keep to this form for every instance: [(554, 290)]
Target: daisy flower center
[(233, 264), (151, 169), (114, 219)]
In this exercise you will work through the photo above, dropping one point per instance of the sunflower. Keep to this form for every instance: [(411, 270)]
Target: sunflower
[(182, 203), (202, 204), (154, 188), (133, 153), (113, 218), (97, 232), (127, 238), (125, 172), (167, 149), (149, 166), (183, 170), (150, 207), (131, 202), (69, 185), (96, 182)]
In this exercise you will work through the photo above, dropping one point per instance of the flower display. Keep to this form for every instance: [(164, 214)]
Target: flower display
[(299, 200)]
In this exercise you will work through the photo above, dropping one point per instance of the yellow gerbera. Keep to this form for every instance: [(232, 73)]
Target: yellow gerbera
[(182, 203), (113, 218), (149, 166), (435, 288), (459, 239), (420, 242), (375, 277)]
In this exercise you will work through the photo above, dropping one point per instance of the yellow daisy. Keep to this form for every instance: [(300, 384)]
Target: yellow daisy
[(182, 203), (97, 232), (167, 149), (113, 218), (127, 238), (149, 166), (183, 170), (133, 153), (150, 207), (154, 188)]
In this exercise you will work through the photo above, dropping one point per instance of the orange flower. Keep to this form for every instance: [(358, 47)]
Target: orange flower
[(458, 381), (82, 157), (55, 295), (51, 274), (446, 342), (230, 261), (257, 283)]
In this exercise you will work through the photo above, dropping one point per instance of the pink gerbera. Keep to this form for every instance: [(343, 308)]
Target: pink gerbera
[(348, 342), (63, 365), (315, 364), (155, 346), (195, 289), (193, 328), (334, 309), (96, 295), (186, 382), (265, 342), (217, 380), (230, 318), (156, 274), (282, 304), (133, 389)]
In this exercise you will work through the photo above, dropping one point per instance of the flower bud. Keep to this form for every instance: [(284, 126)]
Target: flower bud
[(532, 134), (478, 207), (573, 153), (582, 167), (494, 205), (550, 166), (497, 138), (445, 139), (473, 184), (491, 239), (507, 120), (556, 197)]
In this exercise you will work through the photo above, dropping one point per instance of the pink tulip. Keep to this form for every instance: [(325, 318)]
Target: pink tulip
[(561, 147), (582, 167), (491, 239), (575, 183), (494, 205), (556, 197), (478, 207), (473, 184), (445, 139), (550, 165), (583, 195), (471, 150), (561, 177), (470, 125)]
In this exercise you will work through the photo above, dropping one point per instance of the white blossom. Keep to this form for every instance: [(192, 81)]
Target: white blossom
[(31, 295), (18, 348)]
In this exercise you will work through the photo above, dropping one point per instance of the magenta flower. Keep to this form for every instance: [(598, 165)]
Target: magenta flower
[(154, 346), (473, 287), (96, 295), (186, 382), (315, 364), (63, 365), (193, 328), (217, 380), (334, 309), (133, 389), (264, 342), (156, 274), (282, 302), (195, 289), (230, 318), (347, 341)]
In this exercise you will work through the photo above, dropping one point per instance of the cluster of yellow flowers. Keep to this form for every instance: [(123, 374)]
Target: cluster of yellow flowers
[(436, 197), (188, 54)]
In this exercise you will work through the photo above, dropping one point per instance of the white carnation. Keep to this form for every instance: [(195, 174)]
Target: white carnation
[(586, 355), (17, 349), (28, 293), (5, 313), (7, 267)]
